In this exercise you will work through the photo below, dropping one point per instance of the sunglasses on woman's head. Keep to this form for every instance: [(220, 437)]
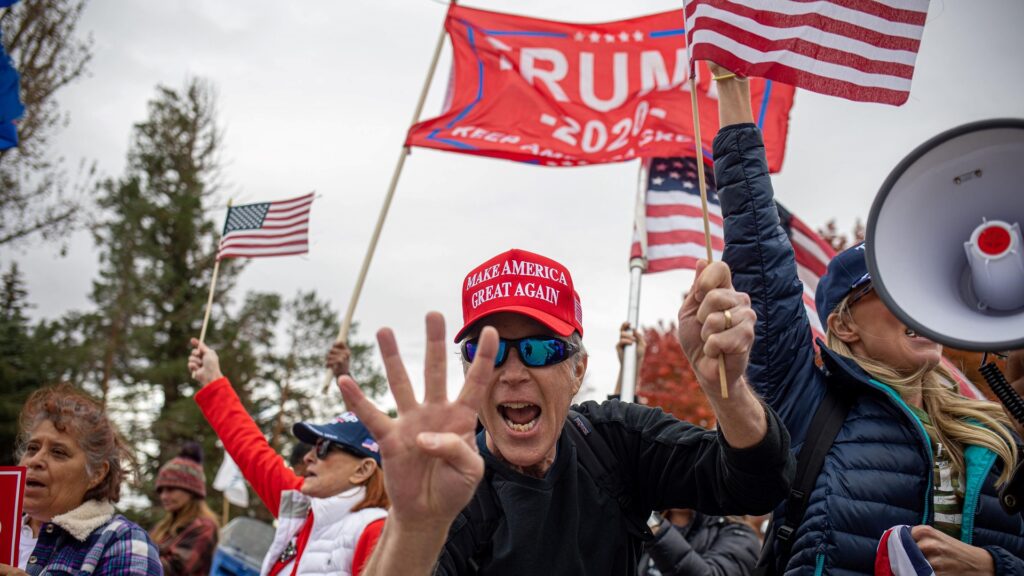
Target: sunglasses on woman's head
[(534, 351), (867, 289)]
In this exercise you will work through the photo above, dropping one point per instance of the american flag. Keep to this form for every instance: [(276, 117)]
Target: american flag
[(812, 255), (267, 229), (675, 237), (674, 224), (861, 50)]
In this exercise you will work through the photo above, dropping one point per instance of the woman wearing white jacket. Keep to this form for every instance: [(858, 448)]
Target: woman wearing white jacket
[(328, 520)]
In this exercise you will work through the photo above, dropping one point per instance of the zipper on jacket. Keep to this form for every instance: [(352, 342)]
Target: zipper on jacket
[(927, 443)]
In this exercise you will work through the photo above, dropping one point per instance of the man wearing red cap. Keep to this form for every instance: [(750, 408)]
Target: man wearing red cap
[(524, 495)]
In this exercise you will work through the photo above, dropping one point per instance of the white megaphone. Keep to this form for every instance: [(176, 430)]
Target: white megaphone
[(943, 241)]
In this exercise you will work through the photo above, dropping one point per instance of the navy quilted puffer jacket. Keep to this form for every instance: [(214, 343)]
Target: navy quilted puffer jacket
[(877, 474)]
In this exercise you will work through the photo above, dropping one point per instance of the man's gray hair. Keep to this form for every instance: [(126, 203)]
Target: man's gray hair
[(576, 339)]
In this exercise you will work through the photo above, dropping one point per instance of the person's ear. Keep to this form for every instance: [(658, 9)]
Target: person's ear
[(578, 371), (100, 475), (363, 472), (844, 328)]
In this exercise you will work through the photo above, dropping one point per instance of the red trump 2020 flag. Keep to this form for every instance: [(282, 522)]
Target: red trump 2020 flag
[(267, 229), (562, 94), (861, 50), (675, 237)]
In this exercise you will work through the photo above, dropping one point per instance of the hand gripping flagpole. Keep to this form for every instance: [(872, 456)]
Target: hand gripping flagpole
[(213, 285), (700, 178), (346, 323), (637, 266)]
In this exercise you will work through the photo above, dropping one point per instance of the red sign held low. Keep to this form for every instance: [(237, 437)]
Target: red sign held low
[(12, 495)]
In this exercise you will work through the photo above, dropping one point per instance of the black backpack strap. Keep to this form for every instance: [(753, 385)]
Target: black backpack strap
[(821, 434), (598, 459)]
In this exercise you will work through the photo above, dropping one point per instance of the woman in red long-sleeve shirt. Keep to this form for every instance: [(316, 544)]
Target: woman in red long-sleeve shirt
[(329, 519)]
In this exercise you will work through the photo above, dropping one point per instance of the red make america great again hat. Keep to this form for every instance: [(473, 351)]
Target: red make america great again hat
[(525, 283)]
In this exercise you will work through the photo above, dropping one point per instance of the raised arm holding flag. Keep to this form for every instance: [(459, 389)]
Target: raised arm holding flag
[(328, 520), (548, 487), (904, 450)]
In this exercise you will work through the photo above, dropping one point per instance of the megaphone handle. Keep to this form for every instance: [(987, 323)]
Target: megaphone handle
[(1003, 391)]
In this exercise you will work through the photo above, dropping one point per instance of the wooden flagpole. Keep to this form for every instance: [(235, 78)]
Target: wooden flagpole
[(213, 288), (346, 323), (700, 179)]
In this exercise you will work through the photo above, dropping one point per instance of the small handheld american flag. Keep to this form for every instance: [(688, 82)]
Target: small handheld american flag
[(265, 229)]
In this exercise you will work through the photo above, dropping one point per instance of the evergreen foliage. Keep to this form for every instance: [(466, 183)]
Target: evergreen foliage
[(156, 244), (49, 53)]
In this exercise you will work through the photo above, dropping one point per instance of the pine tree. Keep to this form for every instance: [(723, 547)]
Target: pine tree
[(16, 376), (157, 247), (292, 390)]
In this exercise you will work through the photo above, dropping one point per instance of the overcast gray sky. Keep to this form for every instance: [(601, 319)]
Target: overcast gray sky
[(317, 95)]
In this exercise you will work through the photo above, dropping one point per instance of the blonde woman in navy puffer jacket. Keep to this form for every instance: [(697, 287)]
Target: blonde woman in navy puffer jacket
[(880, 469)]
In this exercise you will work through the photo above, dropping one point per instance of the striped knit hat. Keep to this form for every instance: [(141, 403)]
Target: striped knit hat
[(184, 471)]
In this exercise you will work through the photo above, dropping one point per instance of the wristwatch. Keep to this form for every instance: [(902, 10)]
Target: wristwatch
[(654, 522)]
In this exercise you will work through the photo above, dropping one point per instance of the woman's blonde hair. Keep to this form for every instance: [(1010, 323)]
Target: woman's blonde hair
[(172, 524), (956, 421)]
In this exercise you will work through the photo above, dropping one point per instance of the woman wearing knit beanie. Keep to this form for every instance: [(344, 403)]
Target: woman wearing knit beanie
[(187, 535)]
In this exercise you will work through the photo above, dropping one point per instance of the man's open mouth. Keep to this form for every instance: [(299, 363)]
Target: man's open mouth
[(519, 416)]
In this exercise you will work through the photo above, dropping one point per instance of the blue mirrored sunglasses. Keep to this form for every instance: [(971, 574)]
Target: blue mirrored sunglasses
[(534, 351)]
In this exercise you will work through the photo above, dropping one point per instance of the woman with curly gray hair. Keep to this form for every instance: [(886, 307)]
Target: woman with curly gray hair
[(76, 464)]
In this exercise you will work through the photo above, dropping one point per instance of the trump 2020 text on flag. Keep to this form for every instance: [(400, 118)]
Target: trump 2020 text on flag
[(563, 94)]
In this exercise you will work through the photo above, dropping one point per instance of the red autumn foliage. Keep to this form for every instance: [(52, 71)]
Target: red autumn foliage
[(839, 241), (667, 381)]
